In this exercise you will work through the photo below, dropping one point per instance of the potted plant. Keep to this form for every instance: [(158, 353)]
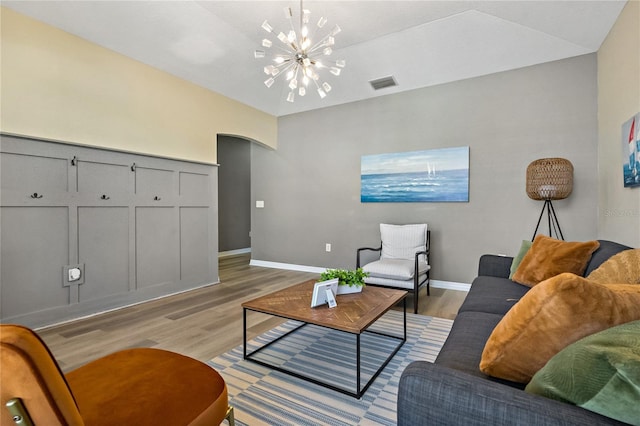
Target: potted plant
[(348, 281)]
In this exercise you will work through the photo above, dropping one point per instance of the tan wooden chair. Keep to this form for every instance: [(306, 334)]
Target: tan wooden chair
[(402, 259), (131, 387)]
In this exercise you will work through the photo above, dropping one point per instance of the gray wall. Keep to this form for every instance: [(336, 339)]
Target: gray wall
[(140, 227), (234, 193), (311, 183)]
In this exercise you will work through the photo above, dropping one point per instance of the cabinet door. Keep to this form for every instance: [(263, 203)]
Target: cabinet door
[(34, 246), (156, 246), (103, 247)]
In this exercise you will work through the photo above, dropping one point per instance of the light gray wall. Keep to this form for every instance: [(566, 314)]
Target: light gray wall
[(234, 193), (139, 227), (311, 183)]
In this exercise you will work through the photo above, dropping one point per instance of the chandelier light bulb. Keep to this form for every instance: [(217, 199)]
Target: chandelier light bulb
[(298, 54), (268, 28)]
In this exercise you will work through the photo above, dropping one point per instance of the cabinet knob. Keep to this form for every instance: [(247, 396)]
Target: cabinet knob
[(156, 198), (104, 197), (36, 195)]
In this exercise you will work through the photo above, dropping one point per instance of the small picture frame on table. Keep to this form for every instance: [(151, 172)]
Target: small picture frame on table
[(320, 293)]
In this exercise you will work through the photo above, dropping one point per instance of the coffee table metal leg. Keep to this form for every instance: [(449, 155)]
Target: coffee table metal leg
[(358, 390), (244, 333)]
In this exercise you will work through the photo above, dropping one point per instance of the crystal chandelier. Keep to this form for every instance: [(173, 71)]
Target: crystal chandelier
[(298, 58)]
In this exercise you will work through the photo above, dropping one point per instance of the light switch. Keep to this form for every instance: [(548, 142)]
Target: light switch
[(260, 204)]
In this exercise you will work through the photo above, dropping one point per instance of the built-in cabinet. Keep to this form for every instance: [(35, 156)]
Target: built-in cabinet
[(137, 227)]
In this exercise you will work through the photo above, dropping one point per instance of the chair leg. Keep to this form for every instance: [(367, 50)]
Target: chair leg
[(230, 416), (415, 301)]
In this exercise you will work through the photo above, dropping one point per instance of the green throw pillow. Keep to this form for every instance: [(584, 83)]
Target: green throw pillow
[(524, 248), (600, 373)]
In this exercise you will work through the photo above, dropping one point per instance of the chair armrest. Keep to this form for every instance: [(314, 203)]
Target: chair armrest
[(361, 249), (430, 394), (492, 265)]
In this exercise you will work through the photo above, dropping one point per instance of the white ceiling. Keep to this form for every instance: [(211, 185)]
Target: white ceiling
[(421, 43)]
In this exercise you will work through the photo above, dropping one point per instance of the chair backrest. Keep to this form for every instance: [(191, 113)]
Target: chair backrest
[(403, 241), (29, 372)]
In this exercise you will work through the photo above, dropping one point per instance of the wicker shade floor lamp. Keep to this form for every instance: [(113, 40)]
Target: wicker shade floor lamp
[(549, 179)]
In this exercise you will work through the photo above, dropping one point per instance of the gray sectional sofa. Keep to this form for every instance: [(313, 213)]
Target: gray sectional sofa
[(453, 391)]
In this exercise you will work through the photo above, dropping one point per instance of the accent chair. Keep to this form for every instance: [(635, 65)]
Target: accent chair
[(402, 259), (131, 387)]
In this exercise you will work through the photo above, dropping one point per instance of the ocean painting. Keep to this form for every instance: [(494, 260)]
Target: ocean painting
[(436, 175)]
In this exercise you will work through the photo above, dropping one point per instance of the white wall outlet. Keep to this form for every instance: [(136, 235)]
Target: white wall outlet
[(327, 247), (260, 204), (73, 274)]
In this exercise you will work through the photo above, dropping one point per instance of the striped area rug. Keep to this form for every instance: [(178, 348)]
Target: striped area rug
[(262, 396)]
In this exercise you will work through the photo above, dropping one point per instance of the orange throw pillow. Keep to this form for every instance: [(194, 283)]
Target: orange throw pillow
[(549, 257), (623, 267), (551, 316)]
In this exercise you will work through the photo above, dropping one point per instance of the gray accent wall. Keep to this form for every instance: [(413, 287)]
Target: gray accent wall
[(311, 183), (234, 193), (138, 227)]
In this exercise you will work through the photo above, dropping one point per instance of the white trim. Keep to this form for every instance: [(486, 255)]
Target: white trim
[(287, 266), (447, 285), (450, 285), (234, 252)]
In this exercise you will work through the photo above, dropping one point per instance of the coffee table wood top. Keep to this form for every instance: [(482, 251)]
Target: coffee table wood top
[(354, 314)]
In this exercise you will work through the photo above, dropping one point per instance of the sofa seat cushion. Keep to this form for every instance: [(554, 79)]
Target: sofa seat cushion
[(551, 316), (463, 348), (394, 268), (600, 372), (493, 295)]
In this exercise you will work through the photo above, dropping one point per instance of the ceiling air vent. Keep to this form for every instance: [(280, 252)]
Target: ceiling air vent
[(383, 82)]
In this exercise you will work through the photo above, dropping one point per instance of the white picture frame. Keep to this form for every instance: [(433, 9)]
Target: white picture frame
[(319, 296)]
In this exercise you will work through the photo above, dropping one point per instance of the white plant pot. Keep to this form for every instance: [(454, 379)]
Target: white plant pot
[(345, 289)]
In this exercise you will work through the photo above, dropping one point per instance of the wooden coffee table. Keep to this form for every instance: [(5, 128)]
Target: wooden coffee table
[(354, 314)]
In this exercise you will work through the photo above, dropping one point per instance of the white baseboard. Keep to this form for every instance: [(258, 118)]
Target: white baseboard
[(448, 285), (234, 252), (287, 266)]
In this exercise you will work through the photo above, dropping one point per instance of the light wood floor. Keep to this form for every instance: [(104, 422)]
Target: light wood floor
[(201, 323)]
